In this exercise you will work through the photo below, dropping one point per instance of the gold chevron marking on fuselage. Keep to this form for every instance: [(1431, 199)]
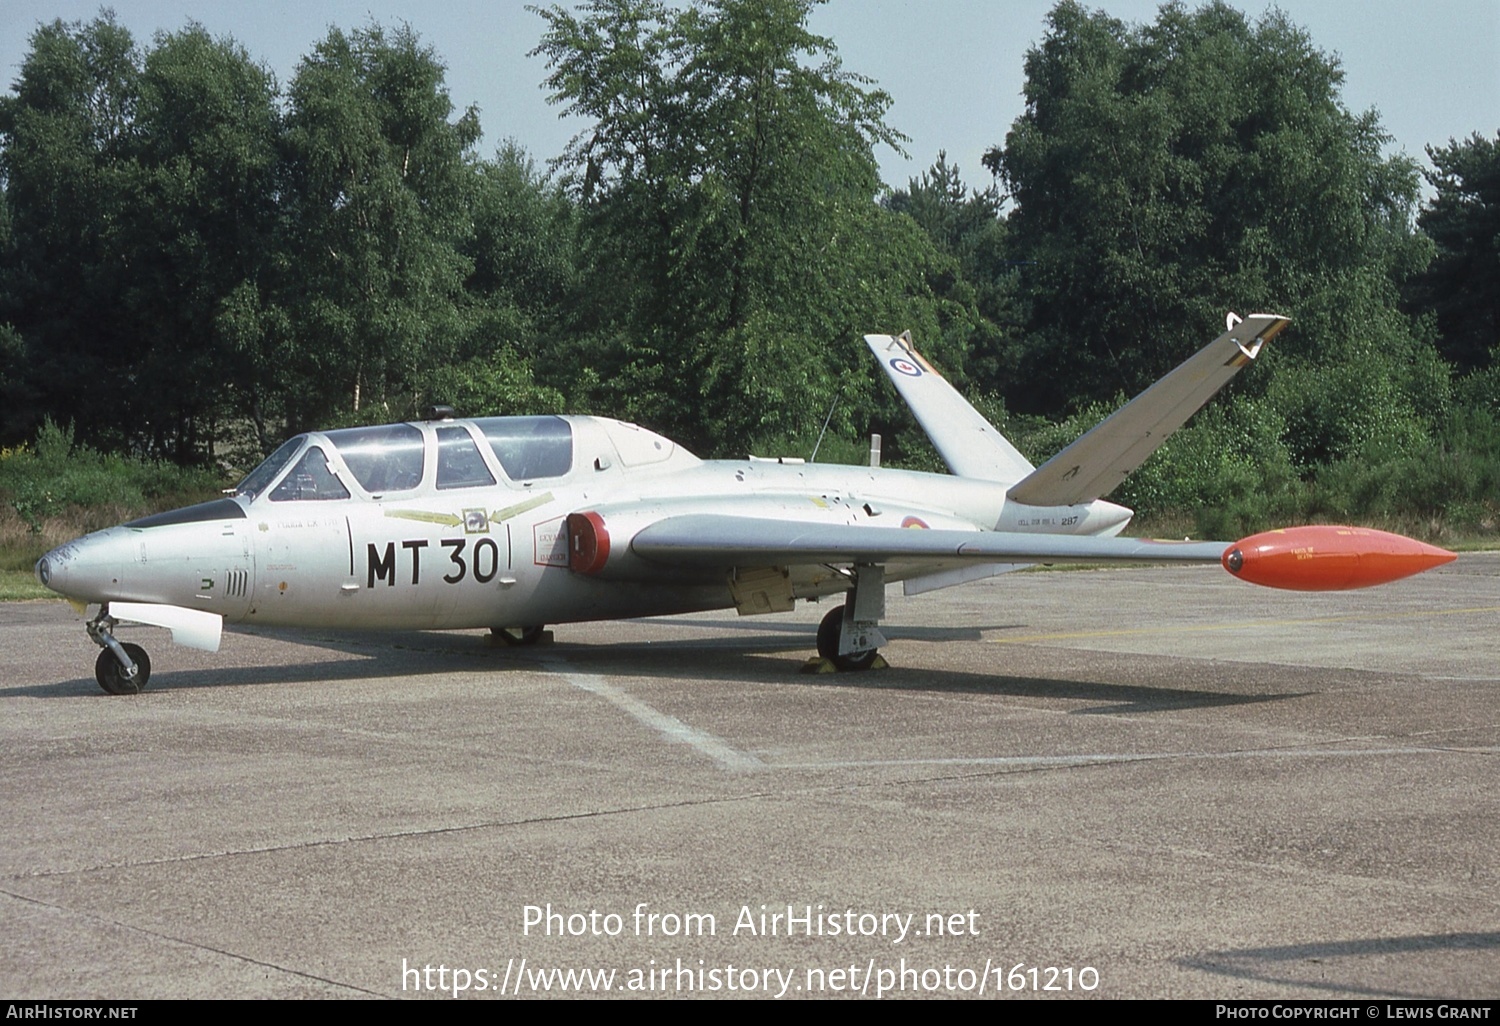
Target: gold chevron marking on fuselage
[(425, 516), (501, 515), (454, 519)]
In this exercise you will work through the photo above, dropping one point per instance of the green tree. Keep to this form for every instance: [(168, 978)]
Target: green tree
[(1461, 287), (65, 142), (963, 222), (142, 191), (13, 391), (202, 222), (377, 190), (1166, 173), (524, 244), (968, 227), (523, 254), (726, 183)]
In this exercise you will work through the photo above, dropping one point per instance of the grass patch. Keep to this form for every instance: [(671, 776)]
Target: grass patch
[(21, 586), (54, 491)]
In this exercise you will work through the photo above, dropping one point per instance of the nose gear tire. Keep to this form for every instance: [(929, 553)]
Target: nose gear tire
[(111, 675)]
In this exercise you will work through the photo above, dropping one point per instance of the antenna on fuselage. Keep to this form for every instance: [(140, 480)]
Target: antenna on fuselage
[(819, 444)]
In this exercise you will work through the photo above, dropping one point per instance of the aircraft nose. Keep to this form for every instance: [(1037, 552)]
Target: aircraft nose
[(87, 568)]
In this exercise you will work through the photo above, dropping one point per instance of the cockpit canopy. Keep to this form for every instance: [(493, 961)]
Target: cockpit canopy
[(388, 458), (530, 447), (396, 458)]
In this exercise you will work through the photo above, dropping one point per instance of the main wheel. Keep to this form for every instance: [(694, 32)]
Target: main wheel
[(111, 675), (828, 644), (519, 635)]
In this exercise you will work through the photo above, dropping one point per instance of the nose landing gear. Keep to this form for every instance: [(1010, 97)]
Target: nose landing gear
[(121, 669), (117, 679)]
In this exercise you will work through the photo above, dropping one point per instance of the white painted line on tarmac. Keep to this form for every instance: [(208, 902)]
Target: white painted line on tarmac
[(1023, 762), (670, 727)]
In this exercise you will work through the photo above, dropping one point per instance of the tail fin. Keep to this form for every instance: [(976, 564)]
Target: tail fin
[(1097, 462), (967, 442)]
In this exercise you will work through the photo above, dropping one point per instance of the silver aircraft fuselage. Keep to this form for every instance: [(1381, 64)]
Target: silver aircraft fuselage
[(472, 531)]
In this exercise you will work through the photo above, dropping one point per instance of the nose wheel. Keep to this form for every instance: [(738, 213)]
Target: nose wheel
[(122, 668), (115, 678)]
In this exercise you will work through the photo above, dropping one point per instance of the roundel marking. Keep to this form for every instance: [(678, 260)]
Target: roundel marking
[(905, 366), (916, 522)]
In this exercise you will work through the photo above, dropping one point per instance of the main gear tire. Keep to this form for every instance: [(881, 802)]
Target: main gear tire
[(829, 632)]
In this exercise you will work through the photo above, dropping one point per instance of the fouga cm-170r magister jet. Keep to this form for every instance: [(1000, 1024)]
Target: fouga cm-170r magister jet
[(512, 523)]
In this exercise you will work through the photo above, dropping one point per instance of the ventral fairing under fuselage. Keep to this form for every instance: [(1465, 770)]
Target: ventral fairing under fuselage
[(511, 523)]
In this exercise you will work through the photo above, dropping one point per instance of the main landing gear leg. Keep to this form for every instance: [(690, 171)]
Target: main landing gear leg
[(849, 636), (121, 669)]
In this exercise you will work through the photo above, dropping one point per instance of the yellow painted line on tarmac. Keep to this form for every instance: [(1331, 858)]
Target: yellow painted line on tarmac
[(1246, 625)]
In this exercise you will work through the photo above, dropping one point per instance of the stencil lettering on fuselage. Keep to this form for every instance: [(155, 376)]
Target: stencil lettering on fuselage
[(551, 538)]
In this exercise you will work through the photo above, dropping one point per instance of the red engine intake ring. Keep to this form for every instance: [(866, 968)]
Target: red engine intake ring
[(588, 543)]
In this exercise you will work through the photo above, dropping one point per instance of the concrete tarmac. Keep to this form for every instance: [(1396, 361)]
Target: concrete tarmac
[(1131, 783)]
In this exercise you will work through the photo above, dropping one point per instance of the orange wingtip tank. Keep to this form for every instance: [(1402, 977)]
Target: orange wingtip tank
[(1328, 558)]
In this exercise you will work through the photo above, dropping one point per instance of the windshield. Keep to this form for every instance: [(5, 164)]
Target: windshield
[(311, 479), (261, 477)]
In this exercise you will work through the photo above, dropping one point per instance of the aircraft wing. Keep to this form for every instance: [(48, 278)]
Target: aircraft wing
[(1097, 462), (713, 540)]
